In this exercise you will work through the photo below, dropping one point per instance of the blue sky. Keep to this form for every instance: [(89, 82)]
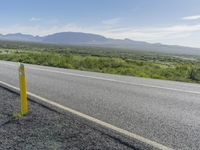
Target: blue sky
[(155, 21)]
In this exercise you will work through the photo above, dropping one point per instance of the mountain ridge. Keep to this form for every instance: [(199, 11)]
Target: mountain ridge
[(89, 39)]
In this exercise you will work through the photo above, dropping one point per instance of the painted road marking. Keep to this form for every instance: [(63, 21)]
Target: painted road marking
[(109, 79), (92, 119)]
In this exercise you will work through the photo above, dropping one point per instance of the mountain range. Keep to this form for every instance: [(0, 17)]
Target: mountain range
[(79, 38)]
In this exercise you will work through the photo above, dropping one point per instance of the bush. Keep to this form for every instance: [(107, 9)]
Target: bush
[(160, 67), (195, 74)]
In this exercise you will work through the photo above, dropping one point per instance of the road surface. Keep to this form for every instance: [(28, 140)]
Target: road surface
[(166, 112), (46, 129)]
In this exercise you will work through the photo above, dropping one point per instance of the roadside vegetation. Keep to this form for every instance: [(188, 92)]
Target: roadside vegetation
[(107, 60)]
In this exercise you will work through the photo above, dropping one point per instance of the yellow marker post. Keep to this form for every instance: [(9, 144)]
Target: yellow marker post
[(23, 95)]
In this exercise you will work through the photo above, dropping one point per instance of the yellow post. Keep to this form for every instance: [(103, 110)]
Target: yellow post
[(23, 95)]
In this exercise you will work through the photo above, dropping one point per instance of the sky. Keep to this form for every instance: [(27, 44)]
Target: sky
[(174, 22)]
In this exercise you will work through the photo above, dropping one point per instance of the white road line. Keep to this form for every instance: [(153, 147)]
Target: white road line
[(109, 79), (92, 119)]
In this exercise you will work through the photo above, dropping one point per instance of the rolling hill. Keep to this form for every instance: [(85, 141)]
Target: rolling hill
[(78, 38)]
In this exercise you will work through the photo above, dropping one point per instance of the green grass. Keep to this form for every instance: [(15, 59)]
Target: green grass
[(106, 60)]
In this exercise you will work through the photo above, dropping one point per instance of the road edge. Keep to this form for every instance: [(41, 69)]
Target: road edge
[(50, 104)]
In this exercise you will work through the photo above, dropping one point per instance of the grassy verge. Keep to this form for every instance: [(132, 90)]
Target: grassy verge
[(133, 63)]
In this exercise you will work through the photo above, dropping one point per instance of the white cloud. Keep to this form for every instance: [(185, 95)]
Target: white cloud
[(150, 34), (112, 21), (117, 32), (195, 17), (154, 34), (177, 34), (34, 19), (44, 30)]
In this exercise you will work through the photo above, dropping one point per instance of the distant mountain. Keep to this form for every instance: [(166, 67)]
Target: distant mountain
[(78, 38), (74, 38), (20, 37)]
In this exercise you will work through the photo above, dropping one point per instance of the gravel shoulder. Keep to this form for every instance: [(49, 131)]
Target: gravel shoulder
[(45, 128)]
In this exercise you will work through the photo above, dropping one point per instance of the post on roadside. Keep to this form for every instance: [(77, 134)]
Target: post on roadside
[(23, 94)]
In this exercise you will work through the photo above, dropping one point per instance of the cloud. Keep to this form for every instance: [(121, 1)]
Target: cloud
[(34, 19), (150, 34), (112, 21), (186, 35), (144, 33), (195, 17), (44, 30)]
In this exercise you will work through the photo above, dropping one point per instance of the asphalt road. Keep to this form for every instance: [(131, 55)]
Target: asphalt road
[(48, 129), (166, 112)]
